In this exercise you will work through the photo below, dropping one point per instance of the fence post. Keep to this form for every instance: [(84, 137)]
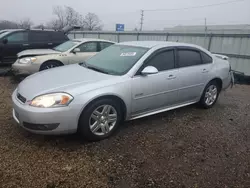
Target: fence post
[(138, 36), (74, 35), (210, 40), (167, 36), (118, 37), (98, 35), (83, 35)]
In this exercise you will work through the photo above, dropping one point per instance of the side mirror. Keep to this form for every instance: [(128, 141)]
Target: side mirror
[(149, 70), (5, 41), (76, 50)]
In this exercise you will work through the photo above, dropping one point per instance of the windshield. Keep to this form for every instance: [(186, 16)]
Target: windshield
[(116, 59), (66, 46), (3, 33)]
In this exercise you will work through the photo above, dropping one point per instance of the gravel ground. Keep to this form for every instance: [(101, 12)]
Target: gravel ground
[(188, 147)]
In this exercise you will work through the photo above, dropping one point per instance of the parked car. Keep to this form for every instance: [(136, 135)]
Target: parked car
[(72, 51), (125, 81), (16, 40)]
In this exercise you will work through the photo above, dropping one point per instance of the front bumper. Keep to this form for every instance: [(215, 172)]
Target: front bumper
[(24, 69), (46, 121)]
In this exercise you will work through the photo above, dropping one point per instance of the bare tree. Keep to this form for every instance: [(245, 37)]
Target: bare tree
[(65, 16), (41, 26), (5, 24), (25, 23), (92, 22)]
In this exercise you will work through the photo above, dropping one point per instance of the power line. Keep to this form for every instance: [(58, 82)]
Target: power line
[(195, 7)]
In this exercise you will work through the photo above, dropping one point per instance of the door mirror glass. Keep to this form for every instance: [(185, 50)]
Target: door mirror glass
[(5, 41), (76, 50), (149, 70)]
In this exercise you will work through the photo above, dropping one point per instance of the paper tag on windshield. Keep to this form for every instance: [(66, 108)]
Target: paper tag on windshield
[(127, 54)]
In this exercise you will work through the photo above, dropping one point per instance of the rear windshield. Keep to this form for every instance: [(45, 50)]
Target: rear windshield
[(66, 46)]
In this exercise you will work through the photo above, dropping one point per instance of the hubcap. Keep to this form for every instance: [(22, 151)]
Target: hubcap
[(50, 66), (211, 95), (103, 120)]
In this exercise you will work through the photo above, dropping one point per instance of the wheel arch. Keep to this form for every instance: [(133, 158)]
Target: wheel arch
[(219, 81), (109, 96), (53, 60)]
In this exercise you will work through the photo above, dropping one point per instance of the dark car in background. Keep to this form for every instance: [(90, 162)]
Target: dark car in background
[(15, 41)]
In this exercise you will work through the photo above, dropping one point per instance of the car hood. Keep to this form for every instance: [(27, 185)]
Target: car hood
[(63, 79), (36, 52)]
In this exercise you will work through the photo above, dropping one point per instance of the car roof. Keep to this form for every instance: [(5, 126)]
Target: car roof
[(91, 39), (151, 44)]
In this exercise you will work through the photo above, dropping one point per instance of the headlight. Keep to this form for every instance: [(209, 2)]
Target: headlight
[(52, 100), (27, 60)]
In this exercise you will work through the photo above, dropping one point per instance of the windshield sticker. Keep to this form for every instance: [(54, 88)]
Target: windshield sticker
[(128, 54)]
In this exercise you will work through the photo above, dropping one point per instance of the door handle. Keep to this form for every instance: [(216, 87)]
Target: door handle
[(25, 44), (171, 77), (205, 71), (50, 43)]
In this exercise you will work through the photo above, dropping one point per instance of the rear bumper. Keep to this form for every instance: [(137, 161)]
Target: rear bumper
[(229, 81)]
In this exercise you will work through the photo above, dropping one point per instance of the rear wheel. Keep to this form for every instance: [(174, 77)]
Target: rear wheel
[(49, 65), (210, 94), (100, 119)]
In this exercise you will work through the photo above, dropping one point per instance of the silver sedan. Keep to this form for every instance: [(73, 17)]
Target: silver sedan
[(125, 81)]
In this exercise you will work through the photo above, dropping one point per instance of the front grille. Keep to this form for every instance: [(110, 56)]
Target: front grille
[(40, 127), (21, 98)]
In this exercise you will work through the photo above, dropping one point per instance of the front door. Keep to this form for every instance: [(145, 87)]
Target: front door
[(87, 50), (156, 91), (16, 42)]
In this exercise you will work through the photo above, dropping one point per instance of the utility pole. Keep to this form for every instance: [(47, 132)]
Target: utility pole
[(142, 19)]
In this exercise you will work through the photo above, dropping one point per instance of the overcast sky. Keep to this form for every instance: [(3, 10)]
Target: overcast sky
[(128, 12)]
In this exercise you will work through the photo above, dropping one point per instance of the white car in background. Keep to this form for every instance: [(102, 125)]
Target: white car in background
[(70, 52)]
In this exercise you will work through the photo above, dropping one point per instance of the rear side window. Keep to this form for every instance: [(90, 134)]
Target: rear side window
[(206, 58), (58, 36), (104, 45), (88, 47), (163, 60), (188, 58), (39, 36), (18, 37)]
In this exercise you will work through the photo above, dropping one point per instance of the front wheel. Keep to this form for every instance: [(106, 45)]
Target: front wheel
[(210, 95), (100, 119), (49, 65)]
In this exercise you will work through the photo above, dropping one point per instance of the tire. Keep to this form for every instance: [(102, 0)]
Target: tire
[(208, 98), (49, 65), (90, 116)]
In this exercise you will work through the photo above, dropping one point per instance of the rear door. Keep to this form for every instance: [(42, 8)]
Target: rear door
[(39, 39), (16, 42), (87, 50), (194, 73)]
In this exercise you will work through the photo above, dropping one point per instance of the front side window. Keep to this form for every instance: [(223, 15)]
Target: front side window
[(66, 46), (17, 37), (163, 60), (189, 58), (116, 59), (88, 47)]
